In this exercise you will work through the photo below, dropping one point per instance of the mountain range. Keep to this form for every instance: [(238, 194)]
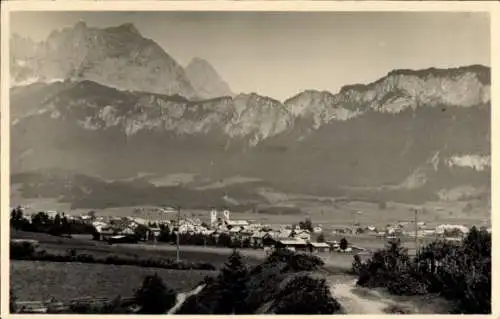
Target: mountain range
[(118, 57), (110, 103)]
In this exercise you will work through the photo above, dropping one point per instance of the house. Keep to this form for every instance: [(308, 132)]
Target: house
[(155, 231), (303, 234), (319, 247), (317, 230), (236, 223), (51, 214), (256, 240), (106, 233), (293, 245), (268, 240), (451, 229), (122, 239)]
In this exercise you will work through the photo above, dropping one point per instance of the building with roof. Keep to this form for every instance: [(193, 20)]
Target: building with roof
[(319, 247), (292, 244)]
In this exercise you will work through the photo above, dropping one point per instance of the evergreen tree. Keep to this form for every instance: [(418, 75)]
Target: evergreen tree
[(307, 224), (154, 297), (231, 282), (343, 244), (321, 238)]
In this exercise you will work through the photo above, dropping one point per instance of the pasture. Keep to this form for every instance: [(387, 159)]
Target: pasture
[(58, 245), (35, 281)]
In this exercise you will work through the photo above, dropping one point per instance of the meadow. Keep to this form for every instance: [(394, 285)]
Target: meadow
[(36, 281)]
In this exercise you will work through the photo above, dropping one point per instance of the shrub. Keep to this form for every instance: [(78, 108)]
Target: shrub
[(21, 250), (295, 261)]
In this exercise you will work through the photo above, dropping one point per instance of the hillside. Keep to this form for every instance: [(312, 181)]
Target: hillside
[(412, 135)]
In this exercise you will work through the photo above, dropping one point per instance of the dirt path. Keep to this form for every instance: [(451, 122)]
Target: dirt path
[(354, 303), (181, 298), (359, 300)]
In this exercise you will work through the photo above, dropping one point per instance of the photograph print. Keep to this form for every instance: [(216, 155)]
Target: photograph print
[(239, 162)]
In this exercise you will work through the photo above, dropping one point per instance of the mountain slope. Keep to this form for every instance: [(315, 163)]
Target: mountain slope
[(205, 79), (378, 140), (118, 57)]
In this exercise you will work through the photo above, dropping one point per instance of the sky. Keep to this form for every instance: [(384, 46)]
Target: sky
[(280, 54)]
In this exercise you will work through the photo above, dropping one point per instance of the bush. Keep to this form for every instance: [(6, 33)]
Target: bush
[(295, 261), (154, 297), (21, 250)]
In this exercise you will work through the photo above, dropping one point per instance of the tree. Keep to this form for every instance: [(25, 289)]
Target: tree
[(343, 244), (306, 295), (165, 234), (321, 238), (232, 284), (154, 297), (56, 227), (140, 232), (65, 227), (16, 218), (306, 224)]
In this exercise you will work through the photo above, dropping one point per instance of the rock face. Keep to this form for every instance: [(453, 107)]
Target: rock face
[(117, 57), (205, 80), (409, 136)]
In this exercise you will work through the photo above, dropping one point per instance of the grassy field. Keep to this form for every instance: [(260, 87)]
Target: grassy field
[(35, 281), (58, 245)]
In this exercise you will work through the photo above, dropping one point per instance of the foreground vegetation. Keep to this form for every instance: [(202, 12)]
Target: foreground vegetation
[(282, 284), (42, 280), (459, 272)]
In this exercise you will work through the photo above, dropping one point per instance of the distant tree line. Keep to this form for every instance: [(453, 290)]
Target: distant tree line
[(60, 225), (198, 239)]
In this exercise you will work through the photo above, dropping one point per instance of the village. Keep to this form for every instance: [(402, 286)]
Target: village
[(222, 230)]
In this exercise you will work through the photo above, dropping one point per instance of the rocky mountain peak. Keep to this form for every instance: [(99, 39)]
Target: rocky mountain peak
[(403, 89), (117, 57), (128, 28), (206, 80)]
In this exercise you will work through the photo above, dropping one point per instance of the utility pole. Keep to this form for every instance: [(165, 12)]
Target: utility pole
[(416, 229), (353, 222), (178, 231)]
